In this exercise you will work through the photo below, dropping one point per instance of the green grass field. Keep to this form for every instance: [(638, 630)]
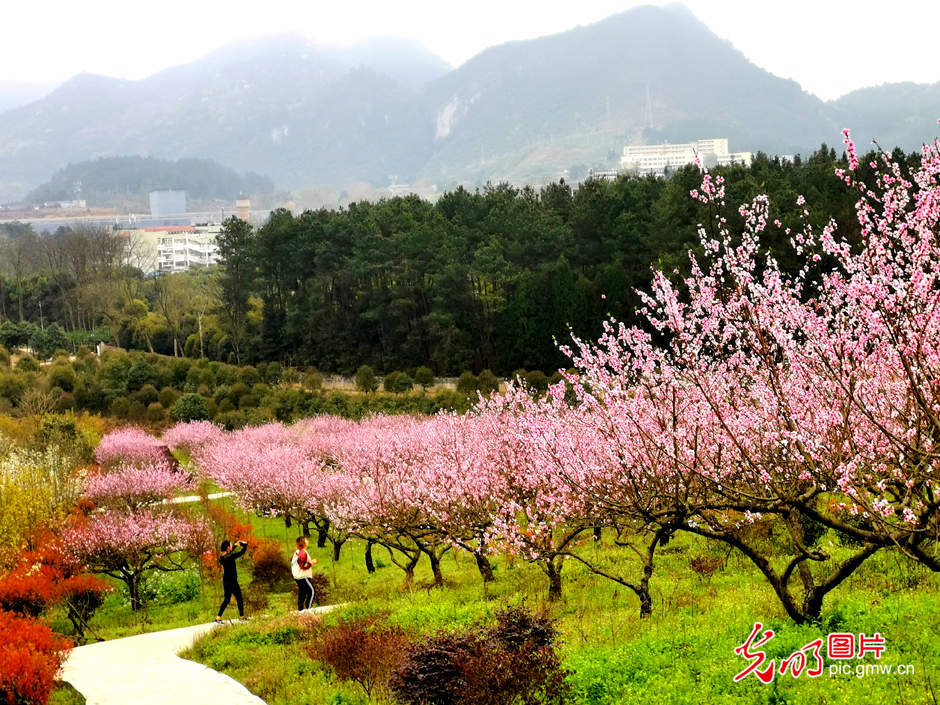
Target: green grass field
[(684, 653)]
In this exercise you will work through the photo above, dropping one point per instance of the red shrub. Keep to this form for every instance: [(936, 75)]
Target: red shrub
[(210, 563), (49, 553), (32, 584), (49, 576), (225, 525), (32, 656), (363, 651), (704, 566), (83, 507), (513, 662), (269, 566), (82, 595), (26, 595)]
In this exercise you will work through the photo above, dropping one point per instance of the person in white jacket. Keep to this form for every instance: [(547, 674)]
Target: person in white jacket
[(301, 567)]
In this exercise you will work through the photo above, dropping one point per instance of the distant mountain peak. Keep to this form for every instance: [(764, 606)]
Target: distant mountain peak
[(404, 59), (308, 113), (679, 10)]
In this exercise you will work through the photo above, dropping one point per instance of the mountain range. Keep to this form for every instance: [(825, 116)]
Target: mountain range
[(389, 109)]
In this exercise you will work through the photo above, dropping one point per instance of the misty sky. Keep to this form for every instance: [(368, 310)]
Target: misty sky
[(829, 47)]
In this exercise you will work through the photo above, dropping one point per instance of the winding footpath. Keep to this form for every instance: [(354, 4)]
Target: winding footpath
[(145, 670)]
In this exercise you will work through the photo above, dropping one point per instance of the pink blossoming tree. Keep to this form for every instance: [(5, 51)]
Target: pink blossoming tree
[(190, 436), (383, 467), (535, 516), (811, 400), (130, 546), (132, 487), (460, 491), (134, 531), (129, 446)]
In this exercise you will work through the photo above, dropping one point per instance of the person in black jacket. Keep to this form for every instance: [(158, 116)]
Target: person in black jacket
[(230, 577)]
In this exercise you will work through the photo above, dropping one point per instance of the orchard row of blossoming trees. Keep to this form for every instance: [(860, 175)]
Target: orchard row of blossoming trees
[(798, 403), (135, 530)]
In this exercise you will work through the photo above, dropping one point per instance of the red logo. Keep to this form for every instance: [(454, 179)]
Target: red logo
[(808, 660)]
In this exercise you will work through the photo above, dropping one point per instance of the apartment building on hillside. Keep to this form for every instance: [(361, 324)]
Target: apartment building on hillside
[(658, 158)]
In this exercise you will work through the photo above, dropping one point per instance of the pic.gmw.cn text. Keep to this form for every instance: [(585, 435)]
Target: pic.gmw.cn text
[(843, 651)]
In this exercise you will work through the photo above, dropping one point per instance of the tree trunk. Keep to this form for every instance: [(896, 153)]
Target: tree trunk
[(323, 535), (337, 545), (483, 565), (411, 558), (554, 580), (436, 569), (77, 622), (812, 604), (796, 531), (646, 603), (410, 571), (133, 589), (597, 533), (370, 566), (809, 608), (643, 589)]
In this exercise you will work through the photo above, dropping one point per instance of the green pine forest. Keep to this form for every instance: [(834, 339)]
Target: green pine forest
[(490, 280)]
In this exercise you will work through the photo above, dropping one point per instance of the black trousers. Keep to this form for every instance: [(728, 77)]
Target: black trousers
[(304, 593), (230, 591)]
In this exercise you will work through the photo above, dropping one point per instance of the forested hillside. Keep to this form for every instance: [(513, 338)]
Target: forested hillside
[(390, 111), (250, 105), (490, 279), (117, 180), (486, 279), (513, 109)]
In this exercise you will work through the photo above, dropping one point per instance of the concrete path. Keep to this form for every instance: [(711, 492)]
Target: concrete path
[(145, 670), (196, 498)]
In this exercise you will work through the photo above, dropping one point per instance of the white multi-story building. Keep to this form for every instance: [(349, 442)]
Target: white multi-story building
[(657, 158), (180, 251), (177, 248), (604, 174)]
